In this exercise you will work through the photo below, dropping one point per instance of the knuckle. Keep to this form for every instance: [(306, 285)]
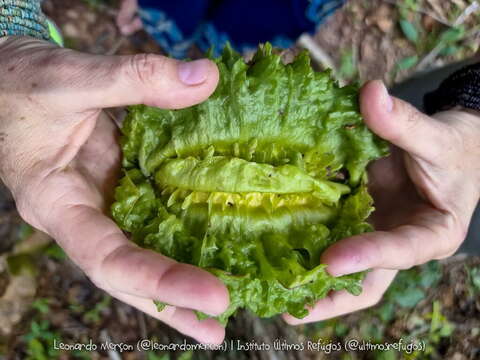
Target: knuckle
[(416, 255), (107, 268), (143, 67), (370, 252), (160, 279)]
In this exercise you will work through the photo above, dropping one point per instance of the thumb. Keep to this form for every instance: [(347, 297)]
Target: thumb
[(400, 123), (149, 79)]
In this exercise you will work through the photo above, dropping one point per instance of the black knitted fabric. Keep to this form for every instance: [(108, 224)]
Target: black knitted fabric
[(460, 89)]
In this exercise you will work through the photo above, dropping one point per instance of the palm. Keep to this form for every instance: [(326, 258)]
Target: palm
[(81, 192), (395, 195), (98, 160), (80, 195), (420, 212)]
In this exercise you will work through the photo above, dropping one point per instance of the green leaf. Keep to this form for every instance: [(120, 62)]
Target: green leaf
[(348, 68), (35, 328), (187, 355), (386, 312), (409, 30), (407, 63), (439, 325), (36, 350), (254, 183), (341, 329), (430, 274), (94, 315), (22, 264), (55, 252), (82, 354), (153, 356), (410, 298), (386, 355), (24, 231), (475, 278), (42, 305), (452, 35), (160, 305), (449, 50)]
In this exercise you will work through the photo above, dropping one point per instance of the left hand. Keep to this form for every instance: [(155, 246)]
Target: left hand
[(425, 193)]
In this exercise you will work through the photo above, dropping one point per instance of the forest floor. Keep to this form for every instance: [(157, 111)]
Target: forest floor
[(43, 296)]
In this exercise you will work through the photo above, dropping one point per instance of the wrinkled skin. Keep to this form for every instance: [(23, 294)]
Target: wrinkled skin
[(59, 156), (425, 193)]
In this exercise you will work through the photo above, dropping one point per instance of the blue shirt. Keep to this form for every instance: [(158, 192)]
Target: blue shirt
[(209, 24)]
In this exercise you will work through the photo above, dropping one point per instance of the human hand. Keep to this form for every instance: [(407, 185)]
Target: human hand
[(59, 156), (425, 193), (127, 20)]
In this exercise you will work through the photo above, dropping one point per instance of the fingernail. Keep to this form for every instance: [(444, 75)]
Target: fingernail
[(388, 101), (193, 72)]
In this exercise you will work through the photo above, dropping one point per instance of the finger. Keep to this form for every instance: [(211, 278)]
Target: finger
[(91, 82), (126, 13), (342, 302), (208, 331), (132, 27), (152, 80), (401, 124), (147, 274), (97, 245), (432, 235), (101, 144)]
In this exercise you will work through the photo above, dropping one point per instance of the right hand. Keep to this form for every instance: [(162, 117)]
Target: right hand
[(60, 158), (425, 193)]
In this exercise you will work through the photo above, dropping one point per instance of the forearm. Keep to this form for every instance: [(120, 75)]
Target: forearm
[(23, 18)]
